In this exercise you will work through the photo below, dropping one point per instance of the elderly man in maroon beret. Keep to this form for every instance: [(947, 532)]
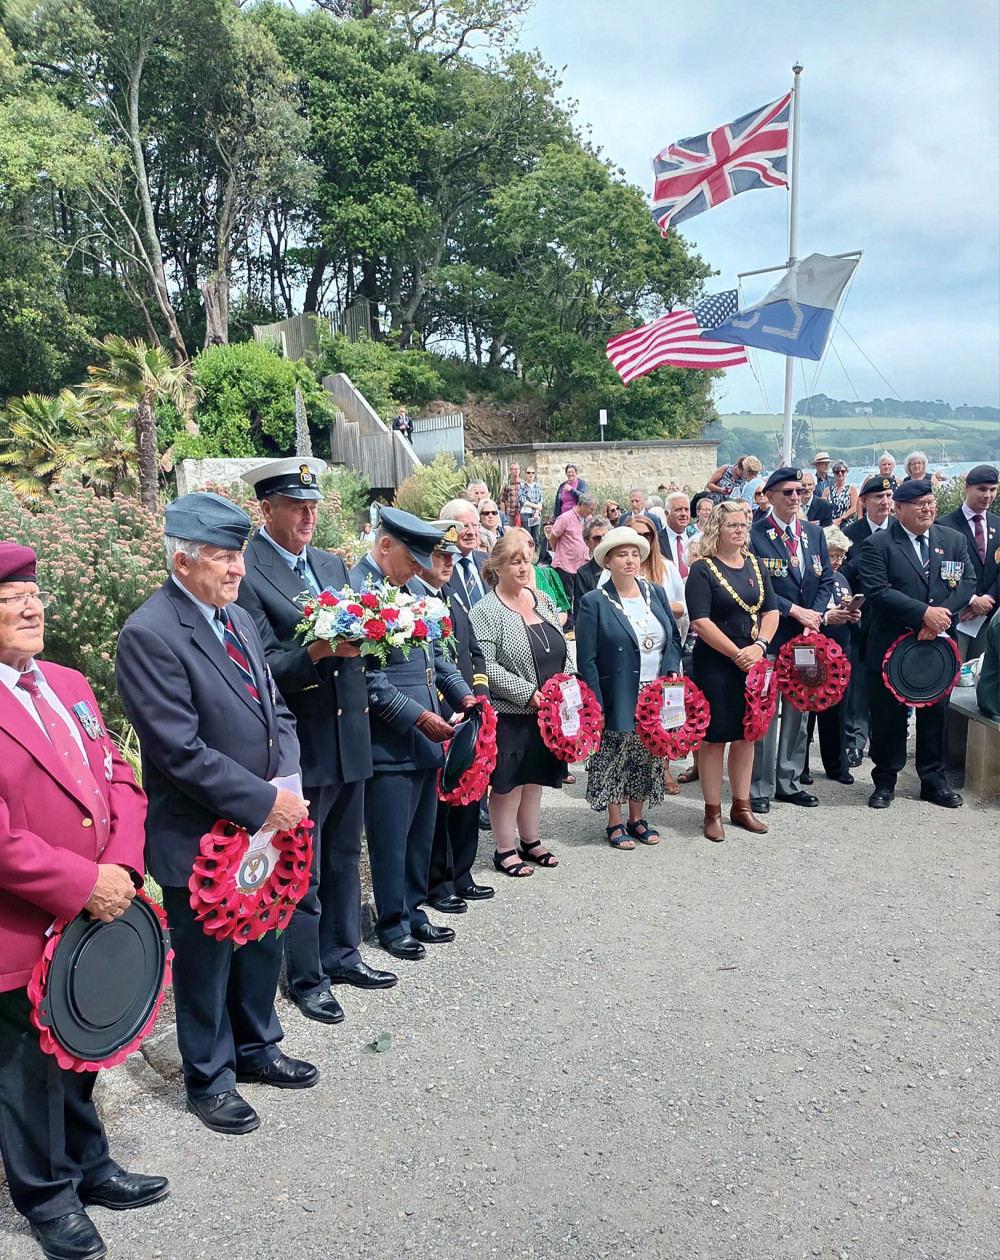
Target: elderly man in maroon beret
[(71, 839)]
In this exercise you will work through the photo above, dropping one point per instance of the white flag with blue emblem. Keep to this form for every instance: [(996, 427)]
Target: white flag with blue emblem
[(796, 317)]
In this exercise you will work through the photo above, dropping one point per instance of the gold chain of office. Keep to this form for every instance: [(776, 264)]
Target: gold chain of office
[(727, 586)]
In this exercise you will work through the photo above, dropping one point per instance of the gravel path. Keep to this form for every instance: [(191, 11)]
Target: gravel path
[(773, 1047)]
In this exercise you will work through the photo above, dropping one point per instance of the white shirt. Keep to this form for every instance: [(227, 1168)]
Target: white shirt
[(915, 540), (875, 528), (649, 658), (208, 611), (292, 560), (9, 678)]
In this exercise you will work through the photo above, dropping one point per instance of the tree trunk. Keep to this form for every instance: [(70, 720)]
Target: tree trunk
[(369, 291), (145, 450), (311, 304), (215, 294)]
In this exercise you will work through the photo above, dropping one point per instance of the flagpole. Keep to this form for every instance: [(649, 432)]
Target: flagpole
[(793, 217)]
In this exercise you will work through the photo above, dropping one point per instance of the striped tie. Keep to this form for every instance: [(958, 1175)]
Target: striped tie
[(235, 653)]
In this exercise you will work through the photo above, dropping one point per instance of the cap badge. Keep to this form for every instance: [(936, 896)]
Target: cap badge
[(451, 534), (305, 476)]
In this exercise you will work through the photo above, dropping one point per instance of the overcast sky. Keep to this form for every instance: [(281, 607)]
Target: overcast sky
[(899, 149)]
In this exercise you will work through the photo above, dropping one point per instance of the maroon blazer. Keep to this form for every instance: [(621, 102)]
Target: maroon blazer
[(51, 836)]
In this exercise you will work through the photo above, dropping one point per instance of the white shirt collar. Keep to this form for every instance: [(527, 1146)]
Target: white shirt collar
[(288, 556), (9, 675)]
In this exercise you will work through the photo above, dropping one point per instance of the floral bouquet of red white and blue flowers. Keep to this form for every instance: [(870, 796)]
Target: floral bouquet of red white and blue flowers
[(377, 621)]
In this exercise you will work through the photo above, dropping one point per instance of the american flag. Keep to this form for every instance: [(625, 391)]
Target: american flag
[(675, 340), (696, 174)]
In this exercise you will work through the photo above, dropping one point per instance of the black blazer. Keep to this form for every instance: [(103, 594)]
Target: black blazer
[(988, 574), (820, 511), (587, 578), (329, 698), (208, 748), (470, 662), (900, 591), (398, 694), (809, 585), (608, 657)]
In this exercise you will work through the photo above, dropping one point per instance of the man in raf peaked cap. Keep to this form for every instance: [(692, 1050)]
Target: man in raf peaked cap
[(407, 730), (215, 736), (325, 690), (71, 837)]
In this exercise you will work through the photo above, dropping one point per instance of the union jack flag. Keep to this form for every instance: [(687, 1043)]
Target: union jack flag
[(698, 173)]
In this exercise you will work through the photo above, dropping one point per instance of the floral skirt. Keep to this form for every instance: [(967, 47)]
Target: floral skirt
[(623, 769)]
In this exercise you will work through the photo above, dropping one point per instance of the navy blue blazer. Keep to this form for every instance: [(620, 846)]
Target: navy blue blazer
[(455, 590), (809, 584), (608, 657), (208, 748), (398, 694), (328, 698), (899, 590), (988, 573)]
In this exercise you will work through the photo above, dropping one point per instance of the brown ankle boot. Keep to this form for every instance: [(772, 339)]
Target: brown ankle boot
[(743, 816), (713, 823)]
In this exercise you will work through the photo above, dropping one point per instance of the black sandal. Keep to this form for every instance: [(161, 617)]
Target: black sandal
[(541, 859), (517, 871), (645, 836), (623, 841)]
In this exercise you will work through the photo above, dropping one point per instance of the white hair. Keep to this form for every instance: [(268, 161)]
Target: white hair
[(183, 545), (451, 509), (676, 495), (654, 500), (887, 455), (477, 483), (911, 457)]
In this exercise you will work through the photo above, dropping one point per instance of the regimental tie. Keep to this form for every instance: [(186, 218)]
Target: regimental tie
[(980, 536), (302, 573), (234, 651), (471, 585), (59, 737), (924, 554), (792, 543)]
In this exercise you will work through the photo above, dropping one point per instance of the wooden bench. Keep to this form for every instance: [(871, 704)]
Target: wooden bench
[(974, 744)]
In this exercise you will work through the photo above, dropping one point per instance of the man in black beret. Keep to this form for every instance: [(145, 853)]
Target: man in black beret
[(876, 501), (217, 739), (916, 576), (407, 731), (981, 530), (325, 690), (795, 555)]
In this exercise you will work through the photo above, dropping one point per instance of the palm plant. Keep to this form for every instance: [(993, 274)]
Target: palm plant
[(137, 377), (104, 451), (38, 444)]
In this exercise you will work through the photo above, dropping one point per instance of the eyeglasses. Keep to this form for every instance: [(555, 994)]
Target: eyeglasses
[(596, 538), (529, 472), (791, 494), (736, 525), (613, 507), (18, 603)]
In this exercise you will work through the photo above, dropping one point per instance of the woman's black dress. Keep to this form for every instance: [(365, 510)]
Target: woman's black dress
[(522, 757), (722, 682)]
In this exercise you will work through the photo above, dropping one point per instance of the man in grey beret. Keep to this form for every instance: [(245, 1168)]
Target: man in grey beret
[(217, 739)]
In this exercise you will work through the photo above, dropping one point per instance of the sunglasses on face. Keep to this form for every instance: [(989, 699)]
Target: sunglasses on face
[(791, 494), (489, 512), (596, 538)]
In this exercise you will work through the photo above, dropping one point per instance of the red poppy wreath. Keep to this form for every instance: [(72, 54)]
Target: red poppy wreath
[(811, 688), (473, 782), (761, 700), (565, 745), (677, 743), (240, 895), (38, 995)]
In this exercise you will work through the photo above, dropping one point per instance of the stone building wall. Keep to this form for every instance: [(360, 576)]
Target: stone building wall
[(623, 464), (195, 474)]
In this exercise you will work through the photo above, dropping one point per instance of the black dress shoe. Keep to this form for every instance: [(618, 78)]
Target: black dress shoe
[(760, 804), (805, 799), (71, 1237), (127, 1190), (841, 778), (322, 1007), (225, 1113), (283, 1073), (806, 778), (406, 947), (944, 797), (881, 798), (363, 977), (484, 818), (431, 935), (476, 892), (449, 905), (854, 758)]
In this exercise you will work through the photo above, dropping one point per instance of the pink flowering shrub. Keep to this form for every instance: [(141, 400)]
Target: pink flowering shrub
[(100, 559)]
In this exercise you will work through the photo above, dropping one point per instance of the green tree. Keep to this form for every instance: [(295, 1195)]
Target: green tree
[(139, 376), (38, 446)]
